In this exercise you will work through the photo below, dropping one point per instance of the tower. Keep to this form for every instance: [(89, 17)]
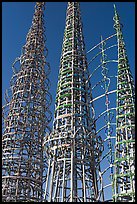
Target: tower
[(26, 117), (124, 177), (71, 174)]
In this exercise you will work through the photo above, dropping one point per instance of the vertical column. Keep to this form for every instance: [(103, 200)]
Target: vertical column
[(124, 177)]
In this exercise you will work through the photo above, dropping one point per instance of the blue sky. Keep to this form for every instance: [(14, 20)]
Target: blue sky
[(97, 18)]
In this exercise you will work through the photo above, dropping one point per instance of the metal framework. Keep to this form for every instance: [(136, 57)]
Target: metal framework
[(72, 147), (113, 96), (89, 155), (26, 117), (103, 64), (124, 177)]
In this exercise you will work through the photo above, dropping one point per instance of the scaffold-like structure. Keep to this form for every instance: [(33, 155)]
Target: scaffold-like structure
[(124, 177), (26, 117), (72, 147), (89, 156), (113, 88), (103, 67)]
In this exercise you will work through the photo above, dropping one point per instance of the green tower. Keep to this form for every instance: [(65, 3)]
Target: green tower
[(124, 177), (71, 175)]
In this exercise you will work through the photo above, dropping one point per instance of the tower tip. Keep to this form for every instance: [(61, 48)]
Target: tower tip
[(115, 10)]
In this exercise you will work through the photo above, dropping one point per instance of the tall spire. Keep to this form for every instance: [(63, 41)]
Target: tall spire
[(26, 120), (72, 67), (124, 177), (71, 172)]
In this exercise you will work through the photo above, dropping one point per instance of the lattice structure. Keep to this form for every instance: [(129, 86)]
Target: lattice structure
[(72, 148), (103, 68), (124, 177), (90, 152), (113, 97), (26, 117)]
